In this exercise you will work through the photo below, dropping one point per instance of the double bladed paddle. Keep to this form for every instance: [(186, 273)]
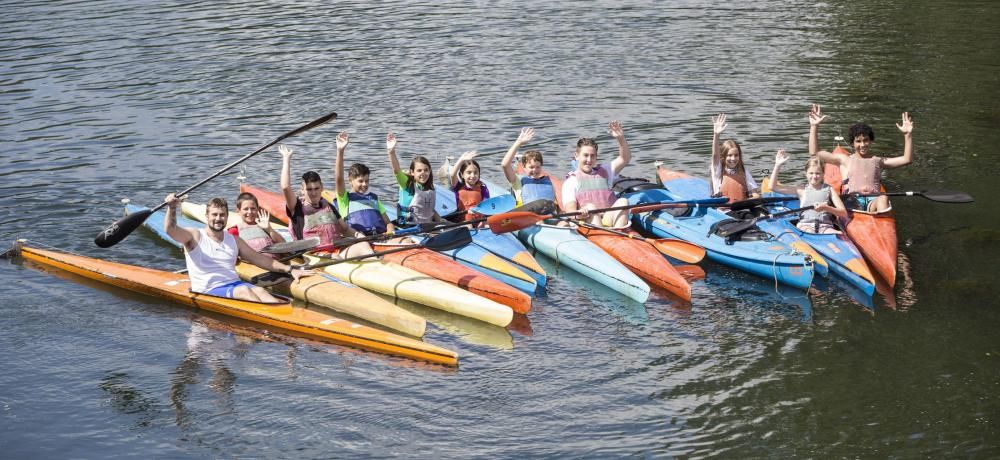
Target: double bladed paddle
[(941, 196), (123, 227), (517, 220)]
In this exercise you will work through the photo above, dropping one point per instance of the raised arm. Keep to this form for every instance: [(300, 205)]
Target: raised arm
[(286, 178), (187, 237), (718, 126), (338, 167), (906, 127), (508, 169), (624, 152), (390, 147), (780, 159), (815, 118), (461, 159)]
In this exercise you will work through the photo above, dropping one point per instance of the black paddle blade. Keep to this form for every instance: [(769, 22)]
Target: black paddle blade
[(452, 239), (291, 246), (312, 124), (268, 279), (948, 196), (120, 229), (543, 207)]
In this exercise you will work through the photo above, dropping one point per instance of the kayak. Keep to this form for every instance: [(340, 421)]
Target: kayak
[(298, 321), (322, 290), (692, 188), (874, 233), (843, 256), (398, 281), (505, 245), (569, 248), (755, 251), (642, 258), (445, 269)]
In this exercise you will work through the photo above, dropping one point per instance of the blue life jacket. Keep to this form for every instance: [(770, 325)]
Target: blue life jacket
[(363, 214)]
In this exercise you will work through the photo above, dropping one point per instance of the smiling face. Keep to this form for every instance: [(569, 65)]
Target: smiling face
[(216, 218), (533, 168), (359, 184), (421, 173), (814, 175), (586, 158), (248, 212), (862, 144), (733, 158), (470, 174), (312, 191)]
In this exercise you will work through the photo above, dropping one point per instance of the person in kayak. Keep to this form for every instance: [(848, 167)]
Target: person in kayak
[(310, 215), (416, 188), (255, 224), (816, 193), (210, 255), (469, 190), (362, 210), (730, 177), (534, 184), (589, 186), (862, 170)]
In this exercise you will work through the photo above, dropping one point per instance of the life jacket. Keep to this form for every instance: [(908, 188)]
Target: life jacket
[(254, 236), (467, 198), (593, 188), (362, 213), (211, 264), (416, 207), (734, 186), (315, 221), (811, 196), (864, 175), (533, 189)]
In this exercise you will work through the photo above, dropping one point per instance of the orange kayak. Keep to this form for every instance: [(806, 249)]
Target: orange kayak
[(296, 320), (444, 268), (269, 200), (642, 258), (873, 233)]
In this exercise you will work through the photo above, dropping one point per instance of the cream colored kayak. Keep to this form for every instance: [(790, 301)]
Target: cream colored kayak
[(399, 281), (321, 290)]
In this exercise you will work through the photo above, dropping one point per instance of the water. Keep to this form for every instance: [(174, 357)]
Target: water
[(103, 100)]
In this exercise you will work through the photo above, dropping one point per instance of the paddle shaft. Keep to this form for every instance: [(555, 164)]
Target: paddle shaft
[(938, 196)]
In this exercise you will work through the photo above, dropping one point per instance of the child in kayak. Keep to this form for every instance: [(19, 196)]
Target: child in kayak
[(362, 210), (862, 170), (535, 184), (816, 193), (255, 224), (469, 190), (416, 188), (589, 186), (310, 215), (730, 177)]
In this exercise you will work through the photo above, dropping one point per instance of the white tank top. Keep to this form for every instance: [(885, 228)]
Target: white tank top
[(211, 264)]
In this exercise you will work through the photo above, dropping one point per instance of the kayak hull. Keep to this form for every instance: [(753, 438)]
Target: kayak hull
[(283, 316), (642, 259)]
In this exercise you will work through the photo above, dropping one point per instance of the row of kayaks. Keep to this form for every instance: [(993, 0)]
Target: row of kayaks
[(495, 277)]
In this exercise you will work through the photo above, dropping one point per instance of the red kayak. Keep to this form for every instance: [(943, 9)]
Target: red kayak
[(642, 259), (873, 233)]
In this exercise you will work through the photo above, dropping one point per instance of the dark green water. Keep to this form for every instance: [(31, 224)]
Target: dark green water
[(102, 100)]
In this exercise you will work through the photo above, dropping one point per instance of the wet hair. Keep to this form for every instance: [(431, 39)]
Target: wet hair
[(585, 141), (217, 203), (358, 170), (859, 129), (311, 176), (465, 165), (728, 145), (246, 196), (531, 155), (412, 181)]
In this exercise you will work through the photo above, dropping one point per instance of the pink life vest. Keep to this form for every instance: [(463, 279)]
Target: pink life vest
[(594, 188), (254, 236), (864, 175)]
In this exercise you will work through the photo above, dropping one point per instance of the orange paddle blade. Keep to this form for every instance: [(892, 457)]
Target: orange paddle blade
[(513, 221), (679, 249), (690, 272)]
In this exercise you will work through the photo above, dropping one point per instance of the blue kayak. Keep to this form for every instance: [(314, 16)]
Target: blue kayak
[(756, 252)]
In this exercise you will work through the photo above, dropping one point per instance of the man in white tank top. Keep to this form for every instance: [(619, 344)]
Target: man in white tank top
[(211, 253)]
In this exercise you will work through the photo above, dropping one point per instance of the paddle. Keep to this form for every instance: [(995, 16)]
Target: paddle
[(678, 249), (513, 221), (445, 241), (123, 227), (495, 205), (729, 227), (941, 196), (291, 246)]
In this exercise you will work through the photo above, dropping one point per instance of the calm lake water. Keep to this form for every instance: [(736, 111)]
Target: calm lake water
[(105, 100)]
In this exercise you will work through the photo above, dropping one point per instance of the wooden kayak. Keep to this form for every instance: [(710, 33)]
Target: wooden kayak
[(398, 281), (445, 269), (321, 290), (874, 233), (642, 259), (284, 316)]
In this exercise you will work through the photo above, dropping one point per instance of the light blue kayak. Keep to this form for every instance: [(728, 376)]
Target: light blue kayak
[(568, 248)]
